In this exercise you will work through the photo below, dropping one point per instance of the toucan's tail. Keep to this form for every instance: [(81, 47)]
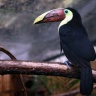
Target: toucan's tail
[(86, 83)]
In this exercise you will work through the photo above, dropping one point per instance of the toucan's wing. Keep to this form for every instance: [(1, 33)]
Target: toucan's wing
[(61, 46), (76, 39), (83, 48), (73, 58)]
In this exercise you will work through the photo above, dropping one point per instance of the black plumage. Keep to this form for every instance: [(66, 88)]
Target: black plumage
[(74, 42), (78, 49)]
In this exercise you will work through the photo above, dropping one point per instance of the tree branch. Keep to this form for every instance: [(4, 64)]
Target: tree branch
[(39, 68), (7, 53), (13, 58)]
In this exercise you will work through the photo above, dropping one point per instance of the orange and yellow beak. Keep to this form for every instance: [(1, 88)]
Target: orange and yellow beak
[(51, 16)]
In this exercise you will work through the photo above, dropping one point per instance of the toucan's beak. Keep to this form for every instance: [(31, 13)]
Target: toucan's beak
[(50, 16)]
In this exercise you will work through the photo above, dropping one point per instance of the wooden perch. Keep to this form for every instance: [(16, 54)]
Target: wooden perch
[(2, 49), (39, 68)]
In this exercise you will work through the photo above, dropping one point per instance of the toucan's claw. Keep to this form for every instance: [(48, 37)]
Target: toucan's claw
[(67, 63)]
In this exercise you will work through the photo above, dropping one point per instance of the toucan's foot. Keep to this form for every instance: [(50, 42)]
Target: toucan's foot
[(67, 63)]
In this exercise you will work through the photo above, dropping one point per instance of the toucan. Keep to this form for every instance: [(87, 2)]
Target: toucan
[(74, 42)]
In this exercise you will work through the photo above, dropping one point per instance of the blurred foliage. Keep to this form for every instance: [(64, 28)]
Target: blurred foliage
[(15, 5), (55, 85), (28, 5)]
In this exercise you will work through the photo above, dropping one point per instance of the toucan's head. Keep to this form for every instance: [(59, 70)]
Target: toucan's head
[(65, 15)]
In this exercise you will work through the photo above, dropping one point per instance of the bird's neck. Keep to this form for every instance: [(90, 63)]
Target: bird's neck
[(70, 22), (65, 21)]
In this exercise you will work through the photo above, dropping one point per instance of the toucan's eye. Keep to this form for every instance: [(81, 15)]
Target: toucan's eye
[(66, 11)]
